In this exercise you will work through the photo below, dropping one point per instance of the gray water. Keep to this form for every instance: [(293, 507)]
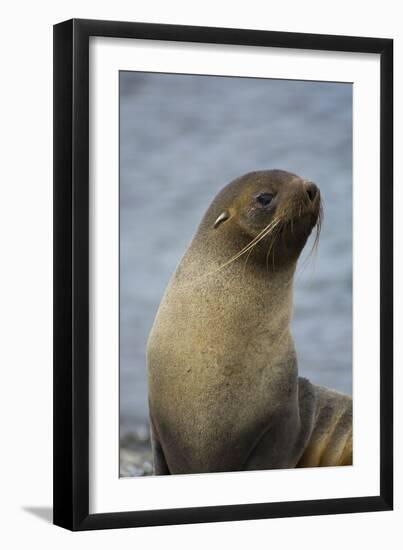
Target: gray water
[(182, 138)]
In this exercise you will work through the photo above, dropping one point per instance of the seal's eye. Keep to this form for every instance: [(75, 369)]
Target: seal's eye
[(264, 199)]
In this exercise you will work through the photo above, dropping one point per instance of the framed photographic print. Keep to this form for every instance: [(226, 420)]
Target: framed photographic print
[(223, 319)]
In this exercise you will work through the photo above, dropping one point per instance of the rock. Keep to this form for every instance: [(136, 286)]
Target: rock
[(135, 453)]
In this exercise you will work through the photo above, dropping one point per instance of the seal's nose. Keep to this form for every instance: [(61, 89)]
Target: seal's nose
[(311, 190)]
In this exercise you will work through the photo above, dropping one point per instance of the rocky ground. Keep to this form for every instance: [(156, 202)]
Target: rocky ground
[(135, 453)]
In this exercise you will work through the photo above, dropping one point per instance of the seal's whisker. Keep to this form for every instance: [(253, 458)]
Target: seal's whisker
[(314, 249), (248, 247), (283, 237), (253, 243), (275, 236), (247, 258), (268, 255), (315, 245)]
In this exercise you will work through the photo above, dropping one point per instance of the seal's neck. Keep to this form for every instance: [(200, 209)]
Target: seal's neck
[(242, 299), (255, 277)]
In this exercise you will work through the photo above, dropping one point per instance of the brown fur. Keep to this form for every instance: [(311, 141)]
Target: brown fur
[(224, 391)]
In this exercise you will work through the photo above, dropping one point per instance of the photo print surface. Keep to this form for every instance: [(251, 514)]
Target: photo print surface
[(249, 361)]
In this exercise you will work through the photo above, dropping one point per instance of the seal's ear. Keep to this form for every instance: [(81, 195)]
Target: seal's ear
[(223, 217)]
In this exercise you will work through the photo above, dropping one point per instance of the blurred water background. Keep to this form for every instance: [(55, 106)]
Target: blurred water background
[(182, 138)]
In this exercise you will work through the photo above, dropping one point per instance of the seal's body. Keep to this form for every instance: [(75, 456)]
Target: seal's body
[(224, 391)]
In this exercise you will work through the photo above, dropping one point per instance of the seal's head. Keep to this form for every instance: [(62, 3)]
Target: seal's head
[(272, 211)]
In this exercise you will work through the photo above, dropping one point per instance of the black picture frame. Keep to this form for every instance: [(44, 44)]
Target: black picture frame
[(71, 274)]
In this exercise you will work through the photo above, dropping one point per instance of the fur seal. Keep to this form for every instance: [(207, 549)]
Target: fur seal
[(224, 391)]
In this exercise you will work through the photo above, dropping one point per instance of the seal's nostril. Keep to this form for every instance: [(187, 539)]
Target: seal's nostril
[(311, 190), (311, 193)]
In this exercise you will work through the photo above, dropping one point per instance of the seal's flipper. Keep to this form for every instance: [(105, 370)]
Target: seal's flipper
[(330, 443)]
